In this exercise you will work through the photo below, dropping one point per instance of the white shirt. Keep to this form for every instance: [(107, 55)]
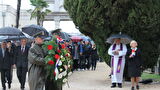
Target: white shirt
[(22, 48)]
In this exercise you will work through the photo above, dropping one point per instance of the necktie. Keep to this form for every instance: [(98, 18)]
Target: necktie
[(3, 51), (22, 49)]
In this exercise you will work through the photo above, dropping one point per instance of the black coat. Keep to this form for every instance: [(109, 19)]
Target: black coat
[(73, 51), (5, 62), (87, 50), (94, 54), (134, 64), (21, 59)]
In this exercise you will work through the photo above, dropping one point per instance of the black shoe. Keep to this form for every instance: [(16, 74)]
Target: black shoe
[(4, 88), (137, 87), (132, 88), (22, 88), (9, 86), (113, 85), (120, 85)]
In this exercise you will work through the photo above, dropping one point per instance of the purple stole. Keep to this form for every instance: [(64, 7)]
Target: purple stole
[(119, 60)]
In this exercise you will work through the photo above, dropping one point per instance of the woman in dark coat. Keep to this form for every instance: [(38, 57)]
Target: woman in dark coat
[(94, 57), (134, 64)]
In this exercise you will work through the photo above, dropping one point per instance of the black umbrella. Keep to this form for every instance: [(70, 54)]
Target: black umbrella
[(2, 38), (10, 31), (125, 39), (33, 29)]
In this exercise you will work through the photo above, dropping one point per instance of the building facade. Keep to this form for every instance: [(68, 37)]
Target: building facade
[(8, 15)]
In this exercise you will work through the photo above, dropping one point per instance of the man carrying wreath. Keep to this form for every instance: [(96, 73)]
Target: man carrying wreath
[(37, 72)]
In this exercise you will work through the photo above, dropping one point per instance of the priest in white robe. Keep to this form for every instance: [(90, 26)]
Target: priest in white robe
[(117, 51)]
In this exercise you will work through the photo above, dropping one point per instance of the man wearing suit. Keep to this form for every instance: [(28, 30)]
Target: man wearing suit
[(5, 65), (21, 61)]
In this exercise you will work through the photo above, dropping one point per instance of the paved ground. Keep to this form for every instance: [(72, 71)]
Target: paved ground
[(15, 84), (90, 80), (99, 80)]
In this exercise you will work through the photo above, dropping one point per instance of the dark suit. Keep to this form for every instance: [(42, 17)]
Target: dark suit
[(76, 56), (5, 67), (21, 61)]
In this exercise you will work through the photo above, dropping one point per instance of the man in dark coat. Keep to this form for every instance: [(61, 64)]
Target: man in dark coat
[(5, 66), (82, 61), (87, 53), (21, 61), (76, 55), (36, 57)]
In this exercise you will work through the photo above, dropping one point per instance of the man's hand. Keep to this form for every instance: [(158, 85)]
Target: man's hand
[(116, 52)]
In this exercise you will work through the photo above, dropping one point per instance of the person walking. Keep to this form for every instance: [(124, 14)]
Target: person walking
[(36, 57), (5, 65), (117, 51), (11, 47), (76, 55), (82, 60), (87, 53), (21, 61), (134, 64), (94, 57)]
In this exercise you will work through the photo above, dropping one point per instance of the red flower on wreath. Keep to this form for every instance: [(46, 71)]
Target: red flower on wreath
[(67, 55), (63, 46), (56, 56), (58, 50), (50, 62), (59, 38), (50, 47)]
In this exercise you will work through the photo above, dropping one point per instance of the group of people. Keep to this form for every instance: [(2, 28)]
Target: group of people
[(11, 56), (84, 55), (25, 57), (119, 55), (31, 59)]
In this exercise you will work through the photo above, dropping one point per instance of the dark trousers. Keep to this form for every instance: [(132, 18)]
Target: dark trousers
[(75, 64), (82, 62), (88, 61), (5, 75), (94, 64), (21, 74), (51, 85)]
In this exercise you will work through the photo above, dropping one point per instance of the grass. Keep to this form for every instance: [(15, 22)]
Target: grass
[(155, 77)]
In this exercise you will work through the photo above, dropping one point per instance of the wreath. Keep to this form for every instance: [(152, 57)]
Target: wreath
[(58, 60)]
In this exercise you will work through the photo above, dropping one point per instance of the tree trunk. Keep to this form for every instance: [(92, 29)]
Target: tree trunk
[(38, 18), (18, 13)]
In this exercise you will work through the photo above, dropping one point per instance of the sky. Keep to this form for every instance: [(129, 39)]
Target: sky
[(66, 26)]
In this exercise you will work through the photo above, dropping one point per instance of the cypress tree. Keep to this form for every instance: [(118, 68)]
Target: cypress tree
[(100, 18)]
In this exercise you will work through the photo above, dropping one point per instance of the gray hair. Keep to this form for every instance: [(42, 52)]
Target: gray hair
[(133, 41)]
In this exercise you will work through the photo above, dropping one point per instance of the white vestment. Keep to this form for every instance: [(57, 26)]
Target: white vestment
[(117, 77)]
